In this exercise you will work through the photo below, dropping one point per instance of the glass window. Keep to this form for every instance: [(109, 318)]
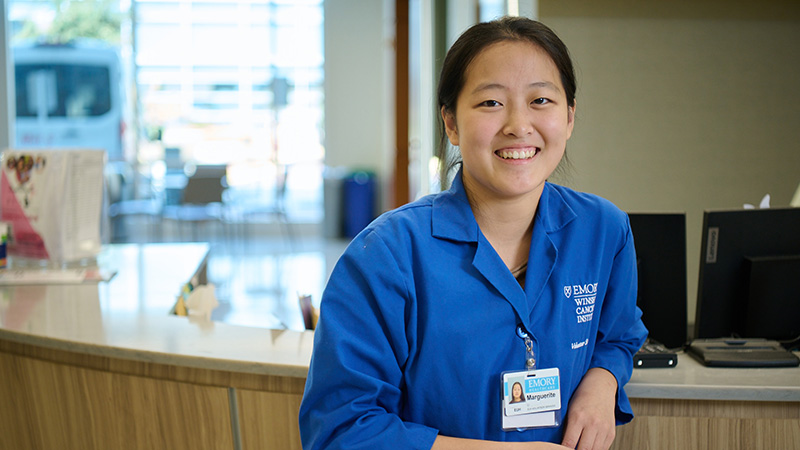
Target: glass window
[(62, 90), (236, 82)]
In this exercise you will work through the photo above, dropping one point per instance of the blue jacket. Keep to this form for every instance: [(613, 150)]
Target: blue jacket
[(419, 318)]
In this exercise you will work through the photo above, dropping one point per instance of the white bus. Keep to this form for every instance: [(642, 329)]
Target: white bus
[(70, 96)]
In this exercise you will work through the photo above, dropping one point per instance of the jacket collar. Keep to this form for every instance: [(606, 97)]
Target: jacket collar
[(452, 216), (452, 219)]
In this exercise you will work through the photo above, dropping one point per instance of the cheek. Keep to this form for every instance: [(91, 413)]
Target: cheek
[(476, 132), (554, 128)]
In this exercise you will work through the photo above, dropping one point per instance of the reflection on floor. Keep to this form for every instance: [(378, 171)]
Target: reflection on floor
[(257, 281), (258, 270)]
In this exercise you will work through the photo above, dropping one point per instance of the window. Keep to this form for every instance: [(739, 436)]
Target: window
[(62, 90), (236, 82)]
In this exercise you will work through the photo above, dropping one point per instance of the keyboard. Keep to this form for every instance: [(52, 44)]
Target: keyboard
[(741, 353)]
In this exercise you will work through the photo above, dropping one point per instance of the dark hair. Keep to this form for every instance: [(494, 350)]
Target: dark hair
[(475, 40)]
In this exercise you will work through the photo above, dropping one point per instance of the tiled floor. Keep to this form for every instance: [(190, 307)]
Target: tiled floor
[(257, 281), (258, 271)]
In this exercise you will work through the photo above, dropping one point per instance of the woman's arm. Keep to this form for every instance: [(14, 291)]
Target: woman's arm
[(354, 389), (450, 443), (599, 402), (590, 417)]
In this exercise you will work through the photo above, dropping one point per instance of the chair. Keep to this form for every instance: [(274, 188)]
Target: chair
[(125, 212), (201, 200), (257, 206)]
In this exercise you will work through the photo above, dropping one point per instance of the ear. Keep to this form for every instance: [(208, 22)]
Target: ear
[(571, 118), (450, 128)]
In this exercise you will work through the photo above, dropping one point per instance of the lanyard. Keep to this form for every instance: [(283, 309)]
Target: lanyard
[(530, 358)]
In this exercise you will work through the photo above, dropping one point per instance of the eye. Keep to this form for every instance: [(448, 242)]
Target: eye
[(541, 101), (490, 103)]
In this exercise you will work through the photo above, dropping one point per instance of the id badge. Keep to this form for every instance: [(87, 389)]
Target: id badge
[(531, 399)]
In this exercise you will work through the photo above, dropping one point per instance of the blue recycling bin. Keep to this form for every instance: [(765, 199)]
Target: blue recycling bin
[(358, 202)]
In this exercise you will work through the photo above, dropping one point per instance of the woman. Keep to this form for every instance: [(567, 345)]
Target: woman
[(516, 393), (433, 303)]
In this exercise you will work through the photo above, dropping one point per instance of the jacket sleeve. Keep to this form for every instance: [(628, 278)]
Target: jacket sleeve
[(354, 396), (621, 331)]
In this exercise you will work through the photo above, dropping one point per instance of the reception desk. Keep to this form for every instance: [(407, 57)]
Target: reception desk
[(103, 365), (691, 406)]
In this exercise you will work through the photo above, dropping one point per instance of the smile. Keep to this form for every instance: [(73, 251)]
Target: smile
[(517, 154)]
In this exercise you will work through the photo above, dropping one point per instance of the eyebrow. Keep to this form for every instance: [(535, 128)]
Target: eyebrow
[(537, 84)]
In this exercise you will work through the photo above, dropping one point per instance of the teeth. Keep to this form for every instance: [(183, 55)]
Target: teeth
[(506, 154)]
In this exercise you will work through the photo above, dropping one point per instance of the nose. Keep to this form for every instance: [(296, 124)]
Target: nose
[(518, 123)]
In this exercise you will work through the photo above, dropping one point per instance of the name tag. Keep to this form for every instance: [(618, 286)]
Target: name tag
[(531, 399)]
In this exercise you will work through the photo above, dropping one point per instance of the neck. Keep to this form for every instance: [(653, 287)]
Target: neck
[(507, 225)]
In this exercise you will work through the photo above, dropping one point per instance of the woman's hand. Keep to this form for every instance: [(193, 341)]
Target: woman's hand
[(590, 417)]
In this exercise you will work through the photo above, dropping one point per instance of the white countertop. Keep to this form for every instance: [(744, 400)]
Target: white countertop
[(691, 380), (128, 317)]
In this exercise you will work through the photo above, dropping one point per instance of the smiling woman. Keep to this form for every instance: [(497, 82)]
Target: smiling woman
[(483, 268)]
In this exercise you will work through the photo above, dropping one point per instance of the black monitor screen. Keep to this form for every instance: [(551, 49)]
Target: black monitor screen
[(660, 240), (748, 266)]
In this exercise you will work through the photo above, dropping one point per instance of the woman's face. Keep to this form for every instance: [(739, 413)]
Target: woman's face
[(511, 121), (516, 391)]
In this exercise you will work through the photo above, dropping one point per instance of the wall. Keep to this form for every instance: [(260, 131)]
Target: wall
[(6, 91), (683, 106), (359, 86)]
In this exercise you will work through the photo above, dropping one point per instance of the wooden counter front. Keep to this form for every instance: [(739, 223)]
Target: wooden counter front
[(670, 424), (60, 399)]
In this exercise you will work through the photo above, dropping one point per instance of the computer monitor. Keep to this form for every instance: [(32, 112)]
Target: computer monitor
[(773, 306), (660, 241), (748, 271)]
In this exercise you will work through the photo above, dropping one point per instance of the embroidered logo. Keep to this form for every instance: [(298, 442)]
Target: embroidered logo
[(584, 296)]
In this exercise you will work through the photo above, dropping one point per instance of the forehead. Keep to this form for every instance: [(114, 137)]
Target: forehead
[(511, 61)]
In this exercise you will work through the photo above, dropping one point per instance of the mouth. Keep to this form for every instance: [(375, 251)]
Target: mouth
[(518, 153)]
